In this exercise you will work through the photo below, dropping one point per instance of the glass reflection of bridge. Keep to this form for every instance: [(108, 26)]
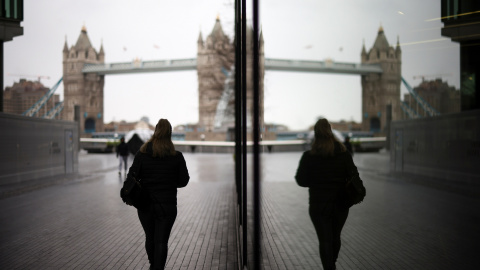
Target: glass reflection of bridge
[(327, 66)]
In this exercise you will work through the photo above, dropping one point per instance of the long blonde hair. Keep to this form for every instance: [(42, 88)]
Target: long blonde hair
[(324, 142), (161, 140)]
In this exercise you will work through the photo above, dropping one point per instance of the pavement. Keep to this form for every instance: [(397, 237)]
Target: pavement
[(79, 222), (402, 224)]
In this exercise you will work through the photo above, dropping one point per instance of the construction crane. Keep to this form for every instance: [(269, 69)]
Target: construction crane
[(42, 101), (39, 77)]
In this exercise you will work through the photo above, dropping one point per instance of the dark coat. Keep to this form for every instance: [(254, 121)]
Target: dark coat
[(122, 149), (325, 176), (161, 176)]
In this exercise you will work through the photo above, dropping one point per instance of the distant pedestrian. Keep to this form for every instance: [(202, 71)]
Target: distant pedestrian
[(324, 170), (162, 171), (122, 151), (348, 145)]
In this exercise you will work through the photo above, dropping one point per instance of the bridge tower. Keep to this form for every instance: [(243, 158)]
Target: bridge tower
[(83, 90), (380, 90), (215, 57)]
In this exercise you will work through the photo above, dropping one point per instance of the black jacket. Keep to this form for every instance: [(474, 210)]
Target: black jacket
[(122, 149), (161, 176), (325, 176)]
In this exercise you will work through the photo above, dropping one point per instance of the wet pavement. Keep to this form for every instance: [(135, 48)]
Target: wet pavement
[(402, 224), (80, 222)]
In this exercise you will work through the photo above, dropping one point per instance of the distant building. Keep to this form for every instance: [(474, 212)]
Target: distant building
[(123, 126), (441, 96), (24, 94), (344, 126)]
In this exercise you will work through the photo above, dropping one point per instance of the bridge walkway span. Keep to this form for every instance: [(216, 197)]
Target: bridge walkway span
[(328, 66)]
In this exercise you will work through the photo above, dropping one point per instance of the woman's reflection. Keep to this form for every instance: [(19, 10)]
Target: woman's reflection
[(323, 169)]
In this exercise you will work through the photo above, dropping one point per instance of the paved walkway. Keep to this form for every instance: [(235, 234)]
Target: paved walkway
[(81, 223), (402, 224)]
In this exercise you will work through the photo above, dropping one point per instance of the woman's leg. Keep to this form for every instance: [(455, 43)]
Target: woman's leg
[(165, 215), (322, 218), (339, 219), (125, 161), (147, 220), (120, 161)]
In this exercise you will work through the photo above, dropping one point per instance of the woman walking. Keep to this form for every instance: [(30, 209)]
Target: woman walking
[(162, 171), (324, 170)]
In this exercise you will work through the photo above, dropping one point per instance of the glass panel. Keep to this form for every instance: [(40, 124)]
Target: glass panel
[(398, 78), (375, 70), (8, 9)]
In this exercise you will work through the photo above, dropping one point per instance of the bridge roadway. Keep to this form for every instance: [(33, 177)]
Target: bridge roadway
[(138, 66), (79, 222)]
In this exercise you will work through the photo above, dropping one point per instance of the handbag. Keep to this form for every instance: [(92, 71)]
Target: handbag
[(354, 190), (132, 192)]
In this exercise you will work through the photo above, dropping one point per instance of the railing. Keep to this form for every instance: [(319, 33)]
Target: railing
[(371, 144)]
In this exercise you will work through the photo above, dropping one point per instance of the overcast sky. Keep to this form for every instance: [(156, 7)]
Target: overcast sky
[(292, 29)]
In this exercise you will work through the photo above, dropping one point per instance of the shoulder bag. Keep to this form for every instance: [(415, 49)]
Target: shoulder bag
[(354, 190), (132, 192)]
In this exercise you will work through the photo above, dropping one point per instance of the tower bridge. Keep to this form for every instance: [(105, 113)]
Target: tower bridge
[(84, 71)]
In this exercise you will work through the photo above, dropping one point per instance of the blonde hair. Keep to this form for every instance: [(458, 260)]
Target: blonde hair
[(161, 140), (324, 142)]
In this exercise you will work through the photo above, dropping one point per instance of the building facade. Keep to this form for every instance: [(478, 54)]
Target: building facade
[(461, 23), (380, 90), (441, 96), (23, 95), (83, 90), (124, 126)]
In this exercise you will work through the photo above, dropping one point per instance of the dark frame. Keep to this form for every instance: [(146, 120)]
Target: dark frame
[(249, 226)]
